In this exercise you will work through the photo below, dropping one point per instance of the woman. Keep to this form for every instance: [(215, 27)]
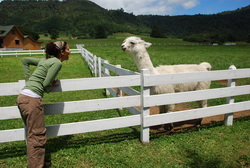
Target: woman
[(30, 99)]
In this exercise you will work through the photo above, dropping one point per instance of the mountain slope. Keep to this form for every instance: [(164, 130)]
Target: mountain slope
[(73, 16), (233, 22), (81, 17)]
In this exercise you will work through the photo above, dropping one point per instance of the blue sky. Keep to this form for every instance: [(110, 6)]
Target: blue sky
[(173, 7), (216, 6)]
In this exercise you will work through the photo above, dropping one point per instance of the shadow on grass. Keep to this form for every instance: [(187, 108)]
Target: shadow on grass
[(70, 141), (55, 144), (196, 160), (13, 151)]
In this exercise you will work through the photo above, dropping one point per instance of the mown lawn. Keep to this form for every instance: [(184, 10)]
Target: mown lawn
[(209, 146)]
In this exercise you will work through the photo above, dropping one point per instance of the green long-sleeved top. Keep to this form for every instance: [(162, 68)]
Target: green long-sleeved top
[(42, 78)]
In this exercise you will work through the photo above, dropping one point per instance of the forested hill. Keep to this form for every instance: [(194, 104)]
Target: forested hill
[(84, 18), (235, 23), (76, 17)]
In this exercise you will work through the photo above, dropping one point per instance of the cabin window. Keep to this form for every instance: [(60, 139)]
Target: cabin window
[(17, 42), (1, 43), (13, 31)]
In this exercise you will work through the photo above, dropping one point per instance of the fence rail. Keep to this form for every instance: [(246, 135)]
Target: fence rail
[(195, 114), (163, 44), (27, 52), (123, 82)]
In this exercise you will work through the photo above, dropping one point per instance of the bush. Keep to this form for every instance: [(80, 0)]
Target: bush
[(206, 38), (54, 34), (197, 38), (156, 32)]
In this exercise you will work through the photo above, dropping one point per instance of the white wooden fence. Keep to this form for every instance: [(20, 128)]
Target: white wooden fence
[(16, 53), (134, 98), (97, 65)]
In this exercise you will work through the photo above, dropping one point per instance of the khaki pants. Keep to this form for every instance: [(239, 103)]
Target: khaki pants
[(32, 112)]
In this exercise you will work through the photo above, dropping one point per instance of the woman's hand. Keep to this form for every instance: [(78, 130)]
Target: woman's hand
[(54, 83)]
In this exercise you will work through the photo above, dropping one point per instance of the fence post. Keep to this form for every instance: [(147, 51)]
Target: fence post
[(95, 65), (145, 91), (106, 71), (231, 83), (99, 67), (119, 92), (91, 62), (83, 54), (86, 56)]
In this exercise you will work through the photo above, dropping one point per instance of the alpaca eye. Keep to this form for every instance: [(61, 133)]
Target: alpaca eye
[(132, 43)]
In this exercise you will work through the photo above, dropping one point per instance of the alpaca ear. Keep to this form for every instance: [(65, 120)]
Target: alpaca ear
[(146, 44)]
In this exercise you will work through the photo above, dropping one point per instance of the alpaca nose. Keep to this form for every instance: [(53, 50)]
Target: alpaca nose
[(123, 47)]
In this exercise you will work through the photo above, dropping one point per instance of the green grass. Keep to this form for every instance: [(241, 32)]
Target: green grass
[(214, 146), (209, 146)]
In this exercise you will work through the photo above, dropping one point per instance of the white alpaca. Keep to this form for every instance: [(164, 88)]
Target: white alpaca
[(137, 48)]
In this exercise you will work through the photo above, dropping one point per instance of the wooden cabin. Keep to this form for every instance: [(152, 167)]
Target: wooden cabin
[(11, 37)]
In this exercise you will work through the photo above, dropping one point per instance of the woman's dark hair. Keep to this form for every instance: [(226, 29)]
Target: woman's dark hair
[(52, 50)]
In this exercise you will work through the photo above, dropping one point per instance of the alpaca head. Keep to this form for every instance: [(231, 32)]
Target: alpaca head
[(134, 45)]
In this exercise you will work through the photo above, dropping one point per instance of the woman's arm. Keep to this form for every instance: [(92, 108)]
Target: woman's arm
[(27, 61)]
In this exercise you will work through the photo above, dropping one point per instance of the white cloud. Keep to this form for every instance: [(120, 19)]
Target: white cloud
[(159, 7), (187, 4), (109, 4)]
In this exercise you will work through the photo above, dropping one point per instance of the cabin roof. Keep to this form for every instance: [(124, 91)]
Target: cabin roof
[(5, 30)]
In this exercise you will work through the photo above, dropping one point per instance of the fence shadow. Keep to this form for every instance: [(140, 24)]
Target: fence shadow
[(197, 160), (63, 142), (69, 141), (13, 151), (66, 142)]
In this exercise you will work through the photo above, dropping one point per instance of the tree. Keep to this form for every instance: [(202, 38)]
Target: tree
[(26, 31), (100, 32), (53, 24), (54, 34), (156, 32)]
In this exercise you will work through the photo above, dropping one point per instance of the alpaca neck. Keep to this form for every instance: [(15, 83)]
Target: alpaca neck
[(143, 61)]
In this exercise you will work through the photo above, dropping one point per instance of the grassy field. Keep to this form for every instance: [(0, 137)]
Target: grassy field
[(209, 146)]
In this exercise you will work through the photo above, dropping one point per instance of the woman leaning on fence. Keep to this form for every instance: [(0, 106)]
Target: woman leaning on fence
[(30, 99)]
